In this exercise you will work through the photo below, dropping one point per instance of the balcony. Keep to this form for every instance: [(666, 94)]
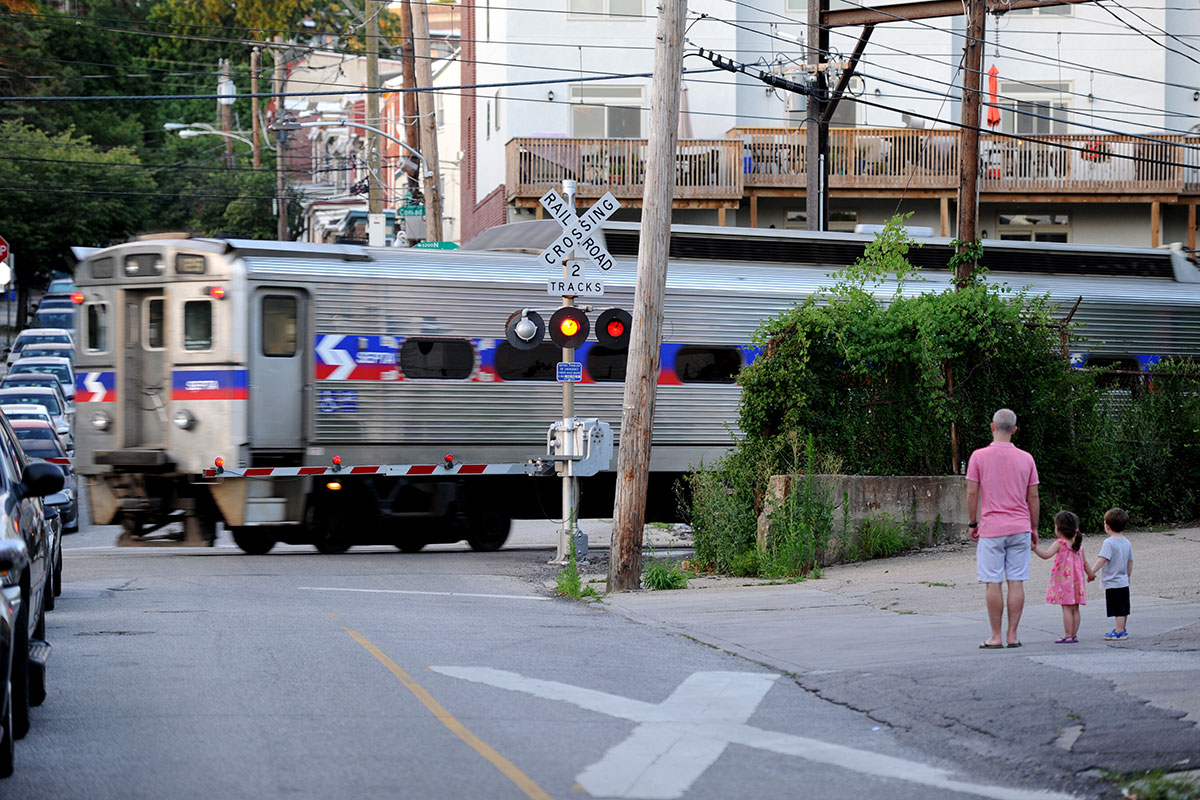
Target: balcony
[(863, 161)]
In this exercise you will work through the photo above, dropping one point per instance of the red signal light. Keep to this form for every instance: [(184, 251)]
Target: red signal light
[(612, 328), (337, 461), (569, 326), (77, 298), (219, 462), (216, 292), (616, 329)]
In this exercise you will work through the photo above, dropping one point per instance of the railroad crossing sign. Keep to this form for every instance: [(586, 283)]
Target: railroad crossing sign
[(3, 249), (579, 233)]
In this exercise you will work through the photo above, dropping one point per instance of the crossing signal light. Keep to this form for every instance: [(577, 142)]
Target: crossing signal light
[(612, 328), (569, 327), (525, 329)]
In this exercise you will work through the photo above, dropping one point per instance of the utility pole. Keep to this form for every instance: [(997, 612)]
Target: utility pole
[(412, 122), (816, 162), (374, 174), (968, 198), (641, 375), (255, 65), (424, 73), (280, 143), (225, 109)]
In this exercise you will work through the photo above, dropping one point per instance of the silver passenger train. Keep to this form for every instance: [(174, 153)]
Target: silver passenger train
[(277, 357)]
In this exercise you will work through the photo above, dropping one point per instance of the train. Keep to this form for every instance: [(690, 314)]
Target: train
[(201, 357)]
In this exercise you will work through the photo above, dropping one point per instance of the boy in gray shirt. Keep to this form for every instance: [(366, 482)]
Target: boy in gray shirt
[(1115, 566)]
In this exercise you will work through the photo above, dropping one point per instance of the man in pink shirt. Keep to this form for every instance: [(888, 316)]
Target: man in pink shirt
[(1002, 506)]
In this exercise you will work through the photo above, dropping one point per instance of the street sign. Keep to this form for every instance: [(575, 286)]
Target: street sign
[(574, 287), (435, 246), (569, 372), (3, 249), (580, 234)]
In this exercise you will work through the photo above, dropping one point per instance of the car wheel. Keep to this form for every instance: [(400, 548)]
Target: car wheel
[(490, 532), (7, 748), (58, 577), (252, 542), (19, 699), (48, 596)]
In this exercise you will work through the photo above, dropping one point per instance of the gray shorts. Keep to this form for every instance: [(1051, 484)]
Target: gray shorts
[(1003, 558)]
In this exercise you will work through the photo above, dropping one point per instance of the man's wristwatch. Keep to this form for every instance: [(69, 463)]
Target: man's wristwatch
[(972, 524)]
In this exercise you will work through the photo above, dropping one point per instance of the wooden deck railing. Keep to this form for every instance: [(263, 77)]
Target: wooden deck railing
[(705, 169)]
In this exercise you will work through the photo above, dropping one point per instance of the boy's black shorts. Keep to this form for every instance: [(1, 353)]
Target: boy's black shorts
[(1117, 601)]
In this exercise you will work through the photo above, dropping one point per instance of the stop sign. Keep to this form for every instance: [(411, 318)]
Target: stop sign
[(3, 249)]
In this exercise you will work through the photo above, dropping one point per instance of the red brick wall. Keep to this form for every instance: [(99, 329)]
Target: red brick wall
[(493, 209)]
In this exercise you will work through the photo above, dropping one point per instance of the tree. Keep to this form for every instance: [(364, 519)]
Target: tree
[(60, 190)]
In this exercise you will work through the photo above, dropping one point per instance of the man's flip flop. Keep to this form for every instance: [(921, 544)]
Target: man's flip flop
[(986, 646), (1015, 644)]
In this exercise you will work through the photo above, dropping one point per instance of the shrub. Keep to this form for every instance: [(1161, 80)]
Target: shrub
[(660, 574)]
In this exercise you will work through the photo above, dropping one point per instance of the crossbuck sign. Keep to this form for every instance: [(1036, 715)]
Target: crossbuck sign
[(580, 234)]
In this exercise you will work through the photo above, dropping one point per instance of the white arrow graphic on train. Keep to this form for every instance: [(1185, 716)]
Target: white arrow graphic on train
[(329, 355), (91, 382)]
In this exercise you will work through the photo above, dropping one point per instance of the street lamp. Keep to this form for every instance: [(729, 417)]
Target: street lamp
[(292, 125), (188, 130)]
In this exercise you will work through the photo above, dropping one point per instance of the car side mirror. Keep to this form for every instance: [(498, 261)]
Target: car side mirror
[(41, 479), (13, 559)]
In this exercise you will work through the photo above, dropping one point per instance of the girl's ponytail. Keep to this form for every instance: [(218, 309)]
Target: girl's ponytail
[(1067, 525)]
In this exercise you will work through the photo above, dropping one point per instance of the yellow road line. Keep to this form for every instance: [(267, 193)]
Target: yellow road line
[(506, 767)]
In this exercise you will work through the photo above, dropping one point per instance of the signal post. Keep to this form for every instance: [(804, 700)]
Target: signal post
[(569, 328)]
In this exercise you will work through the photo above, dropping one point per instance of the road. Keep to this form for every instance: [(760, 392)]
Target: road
[(444, 674)]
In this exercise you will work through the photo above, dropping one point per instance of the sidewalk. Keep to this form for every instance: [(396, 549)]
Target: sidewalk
[(899, 637)]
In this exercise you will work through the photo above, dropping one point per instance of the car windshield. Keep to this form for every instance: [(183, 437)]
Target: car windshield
[(39, 448), (42, 351), (46, 401), (56, 319), (60, 371), (17, 415), (39, 338), (61, 286), (31, 434)]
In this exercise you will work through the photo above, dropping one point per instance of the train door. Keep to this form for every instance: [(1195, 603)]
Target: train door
[(143, 396), (278, 385)]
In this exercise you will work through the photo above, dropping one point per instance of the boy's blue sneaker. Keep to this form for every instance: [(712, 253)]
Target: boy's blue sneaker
[(1111, 635), (1121, 635)]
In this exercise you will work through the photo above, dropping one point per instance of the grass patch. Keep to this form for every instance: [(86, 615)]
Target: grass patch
[(1157, 785), (661, 574), (935, 583), (568, 583)]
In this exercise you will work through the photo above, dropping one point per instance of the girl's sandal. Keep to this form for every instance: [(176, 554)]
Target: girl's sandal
[(1066, 640)]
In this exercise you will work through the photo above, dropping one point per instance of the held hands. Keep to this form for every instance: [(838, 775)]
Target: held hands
[(973, 533)]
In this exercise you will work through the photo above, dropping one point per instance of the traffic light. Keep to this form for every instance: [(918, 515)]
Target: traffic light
[(525, 329), (612, 328), (569, 327)]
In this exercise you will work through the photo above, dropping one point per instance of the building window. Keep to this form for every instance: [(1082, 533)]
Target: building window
[(607, 8), (97, 327), (439, 110), (1035, 227), (606, 112), (538, 364), (279, 326), (795, 220), (1041, 109), (842, 220), (445, 359), (496, 113), (197, 325), (487, 121)]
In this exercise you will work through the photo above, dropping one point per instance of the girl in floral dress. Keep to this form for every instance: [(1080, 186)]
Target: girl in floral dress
[(1068, 575)]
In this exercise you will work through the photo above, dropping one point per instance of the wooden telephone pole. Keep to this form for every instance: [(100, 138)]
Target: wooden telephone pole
[(816, 151), (641, 376), (412, 112), (425, 103), (255, 66), (968, 199), (374, 171), (280, 142)]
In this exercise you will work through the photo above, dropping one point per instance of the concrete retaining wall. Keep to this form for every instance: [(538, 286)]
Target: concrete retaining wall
[(932, 507)]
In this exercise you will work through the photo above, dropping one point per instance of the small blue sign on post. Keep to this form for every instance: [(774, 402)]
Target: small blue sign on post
[(570, 372)]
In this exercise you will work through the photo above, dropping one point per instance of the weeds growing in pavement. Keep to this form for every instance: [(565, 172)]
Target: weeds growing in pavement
[(879, 536), (568, 583), (663, 574), (1157, 785)]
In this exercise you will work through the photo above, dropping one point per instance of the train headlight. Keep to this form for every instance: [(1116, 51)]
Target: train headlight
[(101, 420), (184, 420)]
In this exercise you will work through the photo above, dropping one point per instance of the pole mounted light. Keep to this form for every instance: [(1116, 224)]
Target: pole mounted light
[(291, 124)]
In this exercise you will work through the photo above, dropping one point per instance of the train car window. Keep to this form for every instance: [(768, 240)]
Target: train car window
[(447, 359), (197, 325), (190, 264), (102, 268), (605, 364), (97, 328), (1119, 374), (144, 264), (279, 326), (153, 339), (707, 364), (538, 364)]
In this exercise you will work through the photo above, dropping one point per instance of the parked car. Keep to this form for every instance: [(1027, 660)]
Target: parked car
[(46, 397), (59, 368), (22, 520), (58, 302), (26, 411), (61, 286), (39, 440), (13, 561), (34, 380), (49, 351), (39, 336), (54, 318)]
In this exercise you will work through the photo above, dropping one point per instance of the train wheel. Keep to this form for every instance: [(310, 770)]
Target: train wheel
[(252, 542), (413, 544), (333, 535), (490, 532)]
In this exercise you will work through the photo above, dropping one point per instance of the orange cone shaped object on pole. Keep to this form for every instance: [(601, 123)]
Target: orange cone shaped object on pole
[(993, 112)]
